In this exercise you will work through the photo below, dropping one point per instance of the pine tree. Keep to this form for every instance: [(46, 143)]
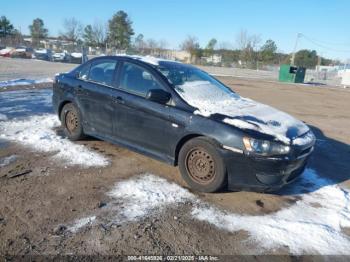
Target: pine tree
[(38, 31), (120, 30), (88, 36), (6, 28)]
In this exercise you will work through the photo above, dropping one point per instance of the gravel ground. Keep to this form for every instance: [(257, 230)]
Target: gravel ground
[(12, 68)]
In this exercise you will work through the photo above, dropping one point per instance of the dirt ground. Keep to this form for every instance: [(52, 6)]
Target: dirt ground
[(17, 68), (34, 208)]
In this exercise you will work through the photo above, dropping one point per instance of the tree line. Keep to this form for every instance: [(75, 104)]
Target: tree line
[(118, 34)]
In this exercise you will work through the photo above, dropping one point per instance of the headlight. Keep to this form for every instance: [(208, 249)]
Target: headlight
[(264, 147)]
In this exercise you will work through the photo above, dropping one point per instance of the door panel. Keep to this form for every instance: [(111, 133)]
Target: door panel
[(98, 112), (141, 122), (94, 93)]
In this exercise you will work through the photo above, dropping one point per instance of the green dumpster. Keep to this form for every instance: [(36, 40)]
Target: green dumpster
[(292, 74)]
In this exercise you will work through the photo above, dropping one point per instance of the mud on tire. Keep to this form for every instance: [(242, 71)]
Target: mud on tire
[(201, 165)]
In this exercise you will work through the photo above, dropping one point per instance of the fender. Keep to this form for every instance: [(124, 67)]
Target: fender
[(68, 97)]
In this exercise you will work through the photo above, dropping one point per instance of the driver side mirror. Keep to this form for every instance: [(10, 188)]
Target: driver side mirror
[(158, 95)]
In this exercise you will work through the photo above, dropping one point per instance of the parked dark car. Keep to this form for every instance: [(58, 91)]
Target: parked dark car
[(179, 114), (76, 58), (43, 54)]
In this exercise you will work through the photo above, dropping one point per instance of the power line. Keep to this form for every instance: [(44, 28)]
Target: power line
[(327, 43), (324, 46)]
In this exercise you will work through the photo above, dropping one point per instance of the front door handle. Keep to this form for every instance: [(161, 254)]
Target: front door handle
[(80, 89), (119, 100)]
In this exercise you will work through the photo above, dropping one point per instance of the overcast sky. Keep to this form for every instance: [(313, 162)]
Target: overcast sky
[(325, 24)]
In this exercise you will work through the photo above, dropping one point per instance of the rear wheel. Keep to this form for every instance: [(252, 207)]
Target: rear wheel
[(72, 122), (201, 165)]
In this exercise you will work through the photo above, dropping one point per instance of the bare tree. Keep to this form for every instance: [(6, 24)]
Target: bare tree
[(99, 30), (151, 44), (254, 41), (191, 45), (72, 29), (162, 44), (139, 43), (248, 46), (242, 39)]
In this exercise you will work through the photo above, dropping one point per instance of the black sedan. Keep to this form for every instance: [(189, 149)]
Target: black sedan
[(179, 114)]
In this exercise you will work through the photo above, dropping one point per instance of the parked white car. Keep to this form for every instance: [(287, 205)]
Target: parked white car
[(61, 57)]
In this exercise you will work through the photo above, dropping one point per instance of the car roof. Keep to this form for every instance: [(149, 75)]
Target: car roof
[(149, 60)]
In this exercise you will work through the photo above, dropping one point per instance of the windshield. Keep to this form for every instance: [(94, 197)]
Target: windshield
[(195, 86)]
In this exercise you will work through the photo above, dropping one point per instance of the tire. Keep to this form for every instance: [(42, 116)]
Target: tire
[(202, 166), (71, 121)]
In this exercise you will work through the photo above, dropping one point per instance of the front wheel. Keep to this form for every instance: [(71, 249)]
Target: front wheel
[(201, 165), (71, 121)]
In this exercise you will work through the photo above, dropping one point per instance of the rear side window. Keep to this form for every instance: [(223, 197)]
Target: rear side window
[(138, 80), (103, 71)]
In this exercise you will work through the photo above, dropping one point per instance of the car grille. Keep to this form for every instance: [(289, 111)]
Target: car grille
[(306, 151)]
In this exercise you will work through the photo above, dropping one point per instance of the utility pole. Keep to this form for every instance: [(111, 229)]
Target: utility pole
[(319, 61), (295, 47)]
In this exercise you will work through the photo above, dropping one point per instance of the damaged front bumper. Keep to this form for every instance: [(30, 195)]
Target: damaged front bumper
[(257, 173)]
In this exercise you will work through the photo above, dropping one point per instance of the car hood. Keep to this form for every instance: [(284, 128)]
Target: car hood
[(241, 112)]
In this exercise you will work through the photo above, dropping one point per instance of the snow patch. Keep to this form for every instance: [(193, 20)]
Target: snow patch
[(3, 117), (80, 223), (37, 132), (147, 194), (23, 81), (20, 50), (239, 123), (5, 161), (312, 225), (148, 59), (41, 51), (77, 55), (304, 140), (210, 99)]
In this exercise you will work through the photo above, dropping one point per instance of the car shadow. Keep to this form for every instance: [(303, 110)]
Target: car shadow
[(59, 132), (328, 165)]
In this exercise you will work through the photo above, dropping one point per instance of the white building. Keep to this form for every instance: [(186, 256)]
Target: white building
[(214, 59)]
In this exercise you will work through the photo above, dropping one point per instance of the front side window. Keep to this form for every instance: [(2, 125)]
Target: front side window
[(103, 72), (138, 80), (84, 71)]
